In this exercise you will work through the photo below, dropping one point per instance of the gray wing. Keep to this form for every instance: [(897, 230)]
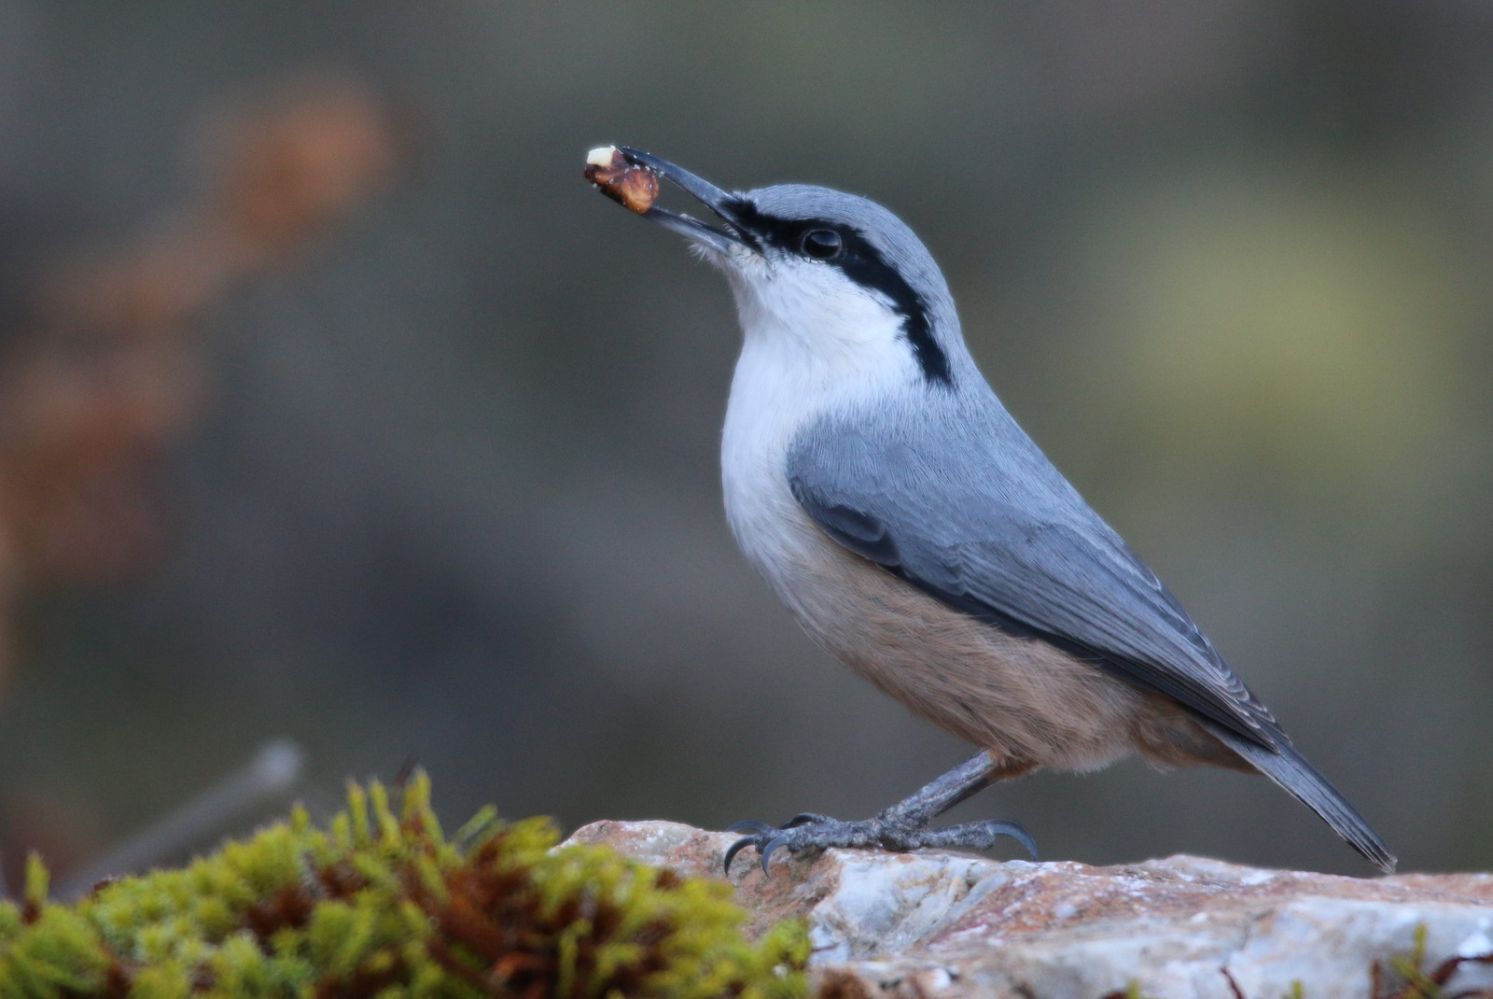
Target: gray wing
[(985, 524)]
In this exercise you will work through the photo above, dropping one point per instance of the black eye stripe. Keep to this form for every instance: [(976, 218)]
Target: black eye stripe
[(863, 264)]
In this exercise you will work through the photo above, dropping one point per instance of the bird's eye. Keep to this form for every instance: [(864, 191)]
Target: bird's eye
[(822, 244)]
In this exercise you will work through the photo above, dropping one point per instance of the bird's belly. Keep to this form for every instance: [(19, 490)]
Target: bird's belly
[(1023, 699)]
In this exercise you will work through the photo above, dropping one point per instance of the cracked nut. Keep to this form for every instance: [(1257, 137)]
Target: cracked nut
[(632, 186)]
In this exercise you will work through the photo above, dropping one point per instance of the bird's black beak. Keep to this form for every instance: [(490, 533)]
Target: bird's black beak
[(723, 203)]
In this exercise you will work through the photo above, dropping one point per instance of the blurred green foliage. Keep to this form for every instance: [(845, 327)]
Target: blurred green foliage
[(382, 903)]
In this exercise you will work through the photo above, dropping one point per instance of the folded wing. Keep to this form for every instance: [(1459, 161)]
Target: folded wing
[(1025, 555)]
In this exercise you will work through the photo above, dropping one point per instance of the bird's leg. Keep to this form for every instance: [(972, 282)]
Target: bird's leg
[(903, 826)]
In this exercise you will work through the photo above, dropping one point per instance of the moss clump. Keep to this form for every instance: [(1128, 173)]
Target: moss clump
[(1420, 982), (383, 904)]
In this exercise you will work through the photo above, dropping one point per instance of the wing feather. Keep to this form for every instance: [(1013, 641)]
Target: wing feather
[(1024, 554)]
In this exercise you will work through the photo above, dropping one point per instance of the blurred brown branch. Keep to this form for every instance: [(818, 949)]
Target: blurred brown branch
[(104, 370)]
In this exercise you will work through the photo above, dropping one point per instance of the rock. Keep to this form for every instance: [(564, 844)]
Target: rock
[(943, 924)]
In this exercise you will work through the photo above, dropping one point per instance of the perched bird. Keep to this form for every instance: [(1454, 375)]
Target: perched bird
[(920, 536)]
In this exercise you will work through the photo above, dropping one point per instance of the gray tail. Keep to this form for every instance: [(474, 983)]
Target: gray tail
[(1286, 767)]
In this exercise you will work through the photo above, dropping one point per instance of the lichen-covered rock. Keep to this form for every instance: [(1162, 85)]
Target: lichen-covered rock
[(940, 924)]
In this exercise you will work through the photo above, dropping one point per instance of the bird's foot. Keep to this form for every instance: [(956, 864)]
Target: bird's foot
[(810, 831)]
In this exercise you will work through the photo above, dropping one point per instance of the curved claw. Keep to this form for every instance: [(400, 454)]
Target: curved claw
[(751, 826), (772, 845), (736, 848), (806, 819), (1016, 832)]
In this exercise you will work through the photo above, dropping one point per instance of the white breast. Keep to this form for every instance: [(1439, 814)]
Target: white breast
[(804, 353), (764, 412)]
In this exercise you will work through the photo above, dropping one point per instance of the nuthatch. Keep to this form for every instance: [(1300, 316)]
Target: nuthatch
[(917, 533)]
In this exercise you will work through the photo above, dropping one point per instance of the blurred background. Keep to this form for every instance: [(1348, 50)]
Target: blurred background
[(335, 406)]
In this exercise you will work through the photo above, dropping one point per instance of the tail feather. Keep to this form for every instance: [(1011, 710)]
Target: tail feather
[(1288, 769)]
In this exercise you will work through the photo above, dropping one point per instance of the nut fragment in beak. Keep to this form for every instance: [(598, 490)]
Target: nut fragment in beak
[(633, 187)]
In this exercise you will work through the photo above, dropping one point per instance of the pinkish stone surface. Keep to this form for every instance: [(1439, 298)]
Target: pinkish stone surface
[(942, 924)]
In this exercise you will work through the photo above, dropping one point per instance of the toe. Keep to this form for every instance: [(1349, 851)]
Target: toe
[(978, 836)]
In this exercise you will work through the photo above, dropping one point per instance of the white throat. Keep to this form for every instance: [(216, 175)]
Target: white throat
[(806, 350), (811, 342)]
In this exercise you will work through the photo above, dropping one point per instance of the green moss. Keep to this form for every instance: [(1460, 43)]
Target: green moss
[(381, 903)]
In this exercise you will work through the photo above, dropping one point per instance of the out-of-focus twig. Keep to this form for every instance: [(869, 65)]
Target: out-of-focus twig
[(269, 777)]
